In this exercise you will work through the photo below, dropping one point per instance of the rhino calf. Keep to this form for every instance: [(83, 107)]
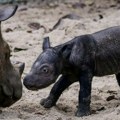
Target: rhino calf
[(80, 59), (10, 74)]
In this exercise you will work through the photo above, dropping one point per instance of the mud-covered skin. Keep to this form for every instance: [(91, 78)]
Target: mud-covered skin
[(80, 60), (10, 74)]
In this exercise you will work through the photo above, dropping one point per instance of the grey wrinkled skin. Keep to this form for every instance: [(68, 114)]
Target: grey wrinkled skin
[(10, 74), (79, 59)]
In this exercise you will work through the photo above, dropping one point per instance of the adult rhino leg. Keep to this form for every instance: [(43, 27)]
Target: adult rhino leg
[(56, 91), (118, 78)]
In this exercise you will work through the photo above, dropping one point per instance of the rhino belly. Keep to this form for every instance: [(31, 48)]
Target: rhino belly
[(107, 63)]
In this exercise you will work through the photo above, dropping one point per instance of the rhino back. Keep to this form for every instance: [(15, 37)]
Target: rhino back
[(107, 58)]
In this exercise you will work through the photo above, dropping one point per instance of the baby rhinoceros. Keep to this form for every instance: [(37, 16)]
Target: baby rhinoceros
[(10, 75), (80, 59)]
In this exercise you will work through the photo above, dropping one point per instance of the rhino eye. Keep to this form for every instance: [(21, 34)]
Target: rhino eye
[(45, 70)]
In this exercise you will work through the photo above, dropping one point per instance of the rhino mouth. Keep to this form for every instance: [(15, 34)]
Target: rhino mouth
[(35, 88), (6, 101)]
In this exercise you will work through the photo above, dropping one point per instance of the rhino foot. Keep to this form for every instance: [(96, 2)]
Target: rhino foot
[(82, 112), (48, 102)]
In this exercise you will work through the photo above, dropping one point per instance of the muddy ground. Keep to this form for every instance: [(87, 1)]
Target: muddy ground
[(25, 40)]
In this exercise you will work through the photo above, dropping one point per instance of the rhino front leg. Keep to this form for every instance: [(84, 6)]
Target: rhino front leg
[(84, 94), (56, 91)]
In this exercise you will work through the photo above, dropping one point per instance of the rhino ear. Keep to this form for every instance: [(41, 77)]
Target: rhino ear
[(46, 43), (6, 13), (21, 67), (65, 50)]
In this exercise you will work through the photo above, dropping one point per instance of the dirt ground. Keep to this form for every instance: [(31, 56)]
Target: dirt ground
[(25, 32)]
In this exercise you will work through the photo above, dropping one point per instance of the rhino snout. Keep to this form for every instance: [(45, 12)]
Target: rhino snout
[(28, 82), (35, 82), (9, 96)]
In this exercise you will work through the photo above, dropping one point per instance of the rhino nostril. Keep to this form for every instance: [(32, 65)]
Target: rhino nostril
[(26, 81)]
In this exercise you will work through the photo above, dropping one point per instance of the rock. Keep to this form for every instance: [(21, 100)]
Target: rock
[(68, 16), (100, 109), (109, 98), (29, 31), (8, 30), (34, 25), (17, 49), (112, 92), (100, 16)]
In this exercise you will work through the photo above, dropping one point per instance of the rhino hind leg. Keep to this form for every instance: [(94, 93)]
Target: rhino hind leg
[(118, 78)]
